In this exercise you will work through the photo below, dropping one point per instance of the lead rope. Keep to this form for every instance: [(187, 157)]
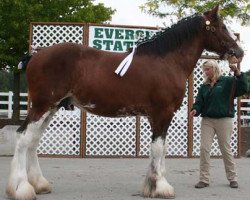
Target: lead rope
[(124, 65)]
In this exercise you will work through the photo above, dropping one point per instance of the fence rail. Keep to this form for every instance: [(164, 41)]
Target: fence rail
[(245, 112), (6, 103)]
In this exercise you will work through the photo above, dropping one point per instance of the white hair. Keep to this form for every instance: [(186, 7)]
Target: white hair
[(213, 64)]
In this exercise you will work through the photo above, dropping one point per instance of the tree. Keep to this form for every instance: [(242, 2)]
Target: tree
[(248, 77), (238, 9), (248, 73), (6, 81), (15, 18)]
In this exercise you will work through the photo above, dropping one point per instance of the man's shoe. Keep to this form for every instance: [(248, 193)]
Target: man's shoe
[(234, 184), (201, 184)]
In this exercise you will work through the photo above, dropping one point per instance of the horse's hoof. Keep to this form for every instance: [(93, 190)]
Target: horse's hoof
[(164, 195), (41, 186), (164, 189), (158, 189), (43, 190), (24, 191), (10, 192), (154, 194)]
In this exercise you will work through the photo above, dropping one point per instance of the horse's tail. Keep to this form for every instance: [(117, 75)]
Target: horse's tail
[(24, 62)]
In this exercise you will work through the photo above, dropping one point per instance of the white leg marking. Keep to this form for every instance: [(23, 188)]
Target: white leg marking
[(35, 176), (155, 184), (18, 186)]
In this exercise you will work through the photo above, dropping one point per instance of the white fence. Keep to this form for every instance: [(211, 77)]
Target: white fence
[(6, 107), (245, 112), (6, 102)]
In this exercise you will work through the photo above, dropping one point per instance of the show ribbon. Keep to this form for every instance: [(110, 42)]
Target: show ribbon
[(124, 65)]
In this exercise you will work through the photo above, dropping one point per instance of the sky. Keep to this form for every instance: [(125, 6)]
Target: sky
[(128, 13)]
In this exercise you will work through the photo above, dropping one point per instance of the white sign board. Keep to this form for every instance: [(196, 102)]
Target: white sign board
[(116, 38)]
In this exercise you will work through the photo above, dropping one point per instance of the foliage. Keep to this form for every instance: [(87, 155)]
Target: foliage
[(248, 73), (248, 77), (15, 18), (229, 9), (6, 81), (16, 15)]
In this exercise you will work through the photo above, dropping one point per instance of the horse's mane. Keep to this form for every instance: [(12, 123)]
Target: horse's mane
[(170, 38)]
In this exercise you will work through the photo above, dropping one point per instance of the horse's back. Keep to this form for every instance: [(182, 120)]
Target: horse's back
[(57, 71), (66, 57)]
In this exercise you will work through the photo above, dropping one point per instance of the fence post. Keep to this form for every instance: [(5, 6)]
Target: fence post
[(10, 102)]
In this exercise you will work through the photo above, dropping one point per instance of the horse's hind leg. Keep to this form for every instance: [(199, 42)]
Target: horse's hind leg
[(25, 159), (156, 185)]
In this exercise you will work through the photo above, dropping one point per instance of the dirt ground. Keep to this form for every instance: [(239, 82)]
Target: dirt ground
[(122, 179)]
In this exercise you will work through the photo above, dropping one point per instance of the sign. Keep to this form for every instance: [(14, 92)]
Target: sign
[(116, 38)]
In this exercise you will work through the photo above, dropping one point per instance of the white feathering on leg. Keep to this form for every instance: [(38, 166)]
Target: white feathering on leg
[(18, 186), (155, 184), (164, 189)]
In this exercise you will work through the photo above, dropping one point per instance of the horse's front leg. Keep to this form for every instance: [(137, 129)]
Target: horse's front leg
[(35, 176), (20, 186), (155, 184)]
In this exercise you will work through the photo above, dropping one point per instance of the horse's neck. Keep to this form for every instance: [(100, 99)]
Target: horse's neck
[(190, 51)]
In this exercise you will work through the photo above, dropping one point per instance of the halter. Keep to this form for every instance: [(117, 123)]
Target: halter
[(211, 28)]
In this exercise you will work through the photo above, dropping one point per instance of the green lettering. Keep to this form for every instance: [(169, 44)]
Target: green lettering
[(148, 34), (129, 35), (108, 33), (139, 34), (97, 44), (118, 46), (128, 44), (119, 33), (98, 33), (107, 43)]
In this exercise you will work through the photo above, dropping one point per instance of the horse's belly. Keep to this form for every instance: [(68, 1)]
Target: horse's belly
[(112, 111)]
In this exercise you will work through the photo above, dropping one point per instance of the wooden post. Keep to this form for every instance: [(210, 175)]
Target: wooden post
[(190, 120), (137, 147), (83, 135)]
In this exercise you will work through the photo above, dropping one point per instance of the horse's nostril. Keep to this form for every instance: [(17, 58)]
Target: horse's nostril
[(239, 53), (231, 52)]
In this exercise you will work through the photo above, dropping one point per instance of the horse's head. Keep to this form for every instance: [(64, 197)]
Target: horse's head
[(218, 38)]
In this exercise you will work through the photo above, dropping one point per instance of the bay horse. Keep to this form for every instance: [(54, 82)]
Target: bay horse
[(153, 86)]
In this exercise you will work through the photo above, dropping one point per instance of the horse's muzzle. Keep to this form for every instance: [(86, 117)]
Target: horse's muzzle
[(237, 52)]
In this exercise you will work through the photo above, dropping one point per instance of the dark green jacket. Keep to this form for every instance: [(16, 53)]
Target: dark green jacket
[(217, 102)]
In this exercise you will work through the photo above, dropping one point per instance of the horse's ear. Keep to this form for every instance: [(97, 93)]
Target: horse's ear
[(213, 14)]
